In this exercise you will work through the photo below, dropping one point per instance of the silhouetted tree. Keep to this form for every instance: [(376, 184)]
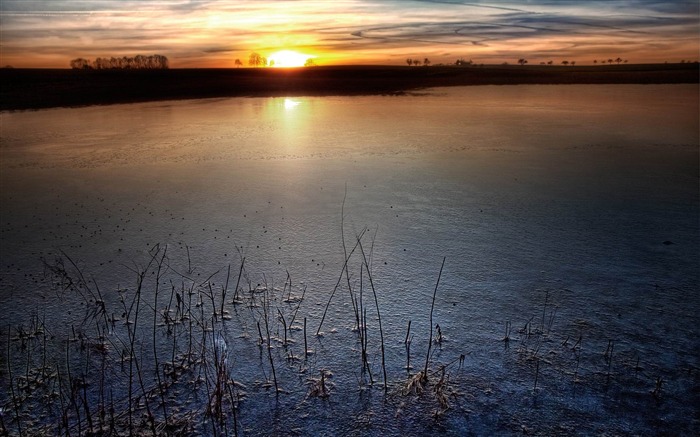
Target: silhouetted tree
[(522, 61), (255, 60), (573, 63), (238, 63), (409, 61), (565, 62), (137, 62), (595, 61), (550, 62), (610, 61), (80, 64), (426, 62), (618, 60), (309, 63)]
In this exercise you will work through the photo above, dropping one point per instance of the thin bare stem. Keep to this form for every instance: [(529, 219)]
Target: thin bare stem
[(340, 278), (432, 307), (376, 302)]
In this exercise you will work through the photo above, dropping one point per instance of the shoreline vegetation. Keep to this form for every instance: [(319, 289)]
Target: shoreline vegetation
[(171, 354), (49, 88)]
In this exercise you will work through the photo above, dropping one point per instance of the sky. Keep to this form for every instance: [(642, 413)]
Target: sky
[(214, 33)]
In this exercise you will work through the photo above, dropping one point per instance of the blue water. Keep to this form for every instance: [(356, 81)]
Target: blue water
[(570, 212)]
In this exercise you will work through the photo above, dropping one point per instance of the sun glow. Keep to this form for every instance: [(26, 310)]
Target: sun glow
[(288, 58)]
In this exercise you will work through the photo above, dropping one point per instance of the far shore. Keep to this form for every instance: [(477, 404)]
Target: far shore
[(47, 88)]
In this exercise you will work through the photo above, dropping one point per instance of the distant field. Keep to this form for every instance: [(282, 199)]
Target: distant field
[(45, 88)]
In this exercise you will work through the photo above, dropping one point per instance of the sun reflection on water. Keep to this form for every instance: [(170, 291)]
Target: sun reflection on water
[(290, 104)]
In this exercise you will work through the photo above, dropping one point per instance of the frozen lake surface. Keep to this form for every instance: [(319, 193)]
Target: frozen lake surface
[(568, 217)]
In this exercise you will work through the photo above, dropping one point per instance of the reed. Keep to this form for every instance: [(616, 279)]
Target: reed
[(223, 291), (161, 390), (236, 297), (178, 356), (266, 306), (306, 344), (355, 308), (376, 303), (340, 278), (15, 402), (432, 308), (407, 344), (656, 393), (362, 331), (506, 336)]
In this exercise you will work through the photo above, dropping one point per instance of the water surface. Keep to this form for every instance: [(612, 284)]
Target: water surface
[(572, 210)]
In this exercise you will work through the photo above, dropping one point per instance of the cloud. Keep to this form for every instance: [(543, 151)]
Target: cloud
[(204, 32)]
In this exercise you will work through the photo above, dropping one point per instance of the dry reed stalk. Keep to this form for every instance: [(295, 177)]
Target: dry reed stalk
[(506, 337), (64, 409), (376, 302), (238, 281), (407, 344), (223, 291), (284, 325), (362, 332), (265, 305), (337, 284), (12, 383), (306, 346), (432, 307), (345, 253), (155, 349), (294, 316)]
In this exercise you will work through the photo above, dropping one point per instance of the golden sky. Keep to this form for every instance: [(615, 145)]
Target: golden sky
[(214, 33)]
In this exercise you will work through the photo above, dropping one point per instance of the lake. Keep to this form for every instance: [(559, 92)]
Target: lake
[(567, 216)]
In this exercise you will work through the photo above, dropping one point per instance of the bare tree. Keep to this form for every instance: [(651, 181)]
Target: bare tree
[(426, 62), (522, 61), (618, 60), (409, 61), (238, 63)]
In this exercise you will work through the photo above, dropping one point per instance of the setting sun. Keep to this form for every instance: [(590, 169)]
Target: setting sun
[(288, 58)]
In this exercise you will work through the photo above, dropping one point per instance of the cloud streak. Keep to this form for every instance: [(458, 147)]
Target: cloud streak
[(48, 33)]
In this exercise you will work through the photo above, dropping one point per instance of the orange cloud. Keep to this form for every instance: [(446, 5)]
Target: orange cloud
[(214, 34)]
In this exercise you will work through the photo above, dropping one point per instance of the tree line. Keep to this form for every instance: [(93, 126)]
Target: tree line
[(138, 62), (257, 60), (417, 62)]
